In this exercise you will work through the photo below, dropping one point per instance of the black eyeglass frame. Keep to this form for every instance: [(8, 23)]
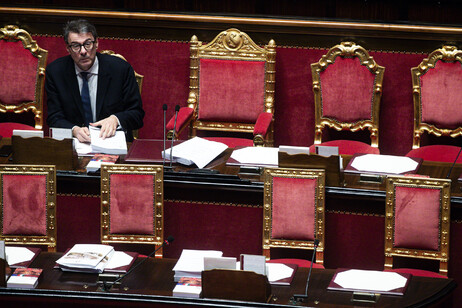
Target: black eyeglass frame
[(74, 46)]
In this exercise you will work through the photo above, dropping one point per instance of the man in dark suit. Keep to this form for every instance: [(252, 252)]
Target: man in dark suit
[(89, 88)]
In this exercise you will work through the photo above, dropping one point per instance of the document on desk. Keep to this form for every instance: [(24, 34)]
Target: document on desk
[(369, 281), (191, 262), (257, 156), (197, 151), (115, 145), (383, 164)]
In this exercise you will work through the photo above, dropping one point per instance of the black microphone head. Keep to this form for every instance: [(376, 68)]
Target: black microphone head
[(164, 107), (177, 108), (316, 242), (170, 239)]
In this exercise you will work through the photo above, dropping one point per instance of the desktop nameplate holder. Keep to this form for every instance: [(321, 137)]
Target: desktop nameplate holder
[(235, 285), (313, 161), (44, 151)]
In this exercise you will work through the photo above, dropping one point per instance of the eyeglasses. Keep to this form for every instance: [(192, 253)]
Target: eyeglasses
[(76, 47)]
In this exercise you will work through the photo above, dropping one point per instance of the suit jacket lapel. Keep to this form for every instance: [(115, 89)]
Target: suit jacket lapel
[(73, 85), (104, 79)]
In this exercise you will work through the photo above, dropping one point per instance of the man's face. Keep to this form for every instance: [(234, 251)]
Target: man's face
[(83, 58)]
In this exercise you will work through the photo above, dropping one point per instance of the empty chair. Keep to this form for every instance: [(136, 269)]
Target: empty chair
[(437, 88), (293, 212), (28, 205), (22, 65), (132, 205), (417, 221), (347, 86), (231, 91)]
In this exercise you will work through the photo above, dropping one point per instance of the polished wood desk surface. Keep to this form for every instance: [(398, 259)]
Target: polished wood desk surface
[(152, 283)]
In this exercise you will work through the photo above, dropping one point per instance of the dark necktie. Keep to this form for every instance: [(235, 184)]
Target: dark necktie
[(85, 95)]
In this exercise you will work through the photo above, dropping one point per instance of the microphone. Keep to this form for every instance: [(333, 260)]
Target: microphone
[(450, 170), (107, 287), (177, 108), (302, 297), (164, 107)]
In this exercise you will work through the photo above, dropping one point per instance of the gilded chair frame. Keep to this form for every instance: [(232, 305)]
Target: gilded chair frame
[(231, 44), (447, 54), (139, 78), (158, 205), (14, 33), (268, 241), (442, 255), (51, 234), (347, 50)]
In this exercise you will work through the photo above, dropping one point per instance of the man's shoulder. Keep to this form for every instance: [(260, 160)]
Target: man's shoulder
[(58, 63), (112, 61)]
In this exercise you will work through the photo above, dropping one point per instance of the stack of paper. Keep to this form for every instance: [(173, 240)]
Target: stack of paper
[(115, 145), (197, 151), (191, 263), (21, 256), (90, 258)]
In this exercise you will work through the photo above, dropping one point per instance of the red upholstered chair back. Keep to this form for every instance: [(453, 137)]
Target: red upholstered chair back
[(347, 86), (417, 219), (132, 204), (23, 70), (28, 205), (437, 88), (293, 214), (231, 85)]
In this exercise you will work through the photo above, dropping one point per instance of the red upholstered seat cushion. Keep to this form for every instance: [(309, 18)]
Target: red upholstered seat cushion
[(347, 89), (441, 153), (416, 222), (232, 142), (417, 272), (6, 129), (24, 204), (348, 147), (131, 204), (299, 262), (19, 73), (231, 90)]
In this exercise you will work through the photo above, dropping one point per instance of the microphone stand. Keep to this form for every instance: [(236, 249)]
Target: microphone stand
[(106, 287), (164, 107), (177, 108), (450, 170), (302, 297)]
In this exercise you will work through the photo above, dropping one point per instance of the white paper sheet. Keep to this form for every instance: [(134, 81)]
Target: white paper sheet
[(196, 150), (278, 271), (384, 163), (16, 255), (256, 155), (370, 280)]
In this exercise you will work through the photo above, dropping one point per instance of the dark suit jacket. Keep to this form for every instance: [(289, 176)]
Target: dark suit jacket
[(117, 94)]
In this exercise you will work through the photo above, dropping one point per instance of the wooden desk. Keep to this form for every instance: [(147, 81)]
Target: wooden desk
[(151, 285)]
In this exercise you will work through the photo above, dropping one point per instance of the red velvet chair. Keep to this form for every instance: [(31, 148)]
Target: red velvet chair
[(28, 205), (347, 86), (231, 91), (293, 212), (22, 65), (139, 78), (437, 88), (417, 221), (132, 205)]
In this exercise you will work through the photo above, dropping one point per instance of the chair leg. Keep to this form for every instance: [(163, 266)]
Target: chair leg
[(388, 262), (159, 253)]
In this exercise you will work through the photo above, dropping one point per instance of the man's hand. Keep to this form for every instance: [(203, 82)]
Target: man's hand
[(81, 133), (108, 126)]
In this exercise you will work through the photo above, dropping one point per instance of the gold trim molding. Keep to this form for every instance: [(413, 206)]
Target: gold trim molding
[(234, 20)]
